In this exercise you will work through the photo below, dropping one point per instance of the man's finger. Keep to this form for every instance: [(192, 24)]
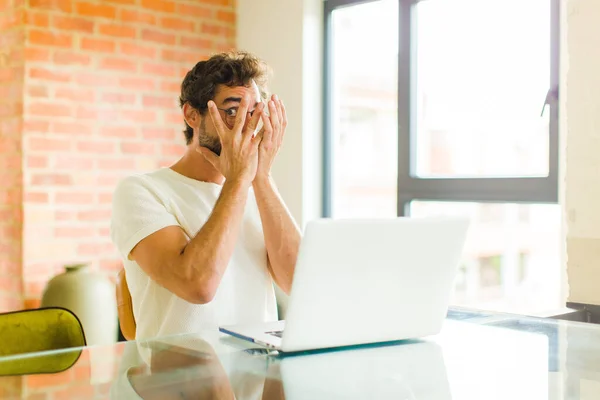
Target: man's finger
[(240, 118), (253, 123), (278, 108), (216, 119), (284, 120), (274, 116), (267, 130)]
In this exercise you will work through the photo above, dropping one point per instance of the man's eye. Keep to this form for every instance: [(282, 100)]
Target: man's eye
[(231, 112)]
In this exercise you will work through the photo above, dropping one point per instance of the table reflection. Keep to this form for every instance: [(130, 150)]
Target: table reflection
[(195, 370)]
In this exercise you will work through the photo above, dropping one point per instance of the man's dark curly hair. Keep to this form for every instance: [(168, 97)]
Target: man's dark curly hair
[(236, 68)]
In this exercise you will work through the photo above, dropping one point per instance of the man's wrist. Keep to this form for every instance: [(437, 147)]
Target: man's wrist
[(238, 183), (262, 181)]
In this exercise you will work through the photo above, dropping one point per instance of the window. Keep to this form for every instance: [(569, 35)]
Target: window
[(451, 107)]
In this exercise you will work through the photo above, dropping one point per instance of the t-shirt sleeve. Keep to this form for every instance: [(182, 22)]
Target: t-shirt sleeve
[(137, 212)]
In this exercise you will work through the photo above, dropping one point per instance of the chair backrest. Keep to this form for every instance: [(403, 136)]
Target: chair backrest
[(37, 331), (124, 307)]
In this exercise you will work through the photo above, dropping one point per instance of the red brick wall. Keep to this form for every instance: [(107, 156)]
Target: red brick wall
[(100, 102), (12, 40)]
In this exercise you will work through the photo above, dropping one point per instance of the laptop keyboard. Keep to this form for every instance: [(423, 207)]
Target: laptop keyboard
[(278, 334)]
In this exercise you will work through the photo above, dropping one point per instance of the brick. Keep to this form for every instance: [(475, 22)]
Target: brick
[(49, 75), (73, 198), (37, 54), (159, 5), (109, 180), (159, 133), (50, 110), (74, 128), (137, 83), (173, 118), (139, 116), (94, 249), (86, 79), (37, 161), (138, 148), (122, 132), (119, 98), (9, 145), (94, 215), (178, 24), (31, 304), (170, 86), (134, 49), (118, 31), (195, 42), (158, 37), (134, 16), (226, 16), (222, 47), (96, 113), (76, 95), (47, 144), (111, 265), (194, 11), (167, 102), (96, 147), (73, 24), (36, 126), (49, 38), (74, 163), (217, 30), (219, 2), (36, 197), (97, 10), (72, 58), (50, 179), (105, 198), (37, 19), (11, 18), (159, 69), (120, 64), (14, 91), (172, 149), (64, 216), (10, 161), (73, 232), (52, 5), (37, 91), (107, 46), (76, 391), (190, 57), (116, 163)]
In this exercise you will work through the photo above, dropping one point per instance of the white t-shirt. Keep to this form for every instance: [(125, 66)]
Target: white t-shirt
[(146, 203)]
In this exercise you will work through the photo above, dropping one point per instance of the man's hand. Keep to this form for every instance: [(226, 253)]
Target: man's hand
[(239, 146), (272, 137)]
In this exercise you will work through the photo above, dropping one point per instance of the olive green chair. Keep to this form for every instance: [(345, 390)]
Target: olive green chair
[(25, 335)]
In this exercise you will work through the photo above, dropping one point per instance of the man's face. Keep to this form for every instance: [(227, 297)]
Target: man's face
[(228, 101)]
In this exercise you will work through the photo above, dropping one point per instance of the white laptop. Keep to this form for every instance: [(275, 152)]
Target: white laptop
[(366, 281)]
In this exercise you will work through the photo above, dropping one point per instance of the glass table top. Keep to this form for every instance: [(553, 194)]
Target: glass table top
[(478, 355)]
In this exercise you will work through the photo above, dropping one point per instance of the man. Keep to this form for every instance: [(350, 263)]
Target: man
[(203, 240)]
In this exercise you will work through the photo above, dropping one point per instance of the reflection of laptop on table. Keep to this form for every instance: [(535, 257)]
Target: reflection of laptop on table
[(366, 281)]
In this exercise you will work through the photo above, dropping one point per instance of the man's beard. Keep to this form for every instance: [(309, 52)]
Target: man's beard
[(213, 144), (204, 140)]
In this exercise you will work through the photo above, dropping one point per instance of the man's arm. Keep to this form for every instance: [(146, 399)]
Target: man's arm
[(193, 270), (282, 236)]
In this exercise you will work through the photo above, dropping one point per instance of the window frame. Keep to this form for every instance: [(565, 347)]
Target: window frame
[(538, 190)]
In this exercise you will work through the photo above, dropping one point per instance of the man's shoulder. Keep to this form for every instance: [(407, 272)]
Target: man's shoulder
[(139, 183)]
